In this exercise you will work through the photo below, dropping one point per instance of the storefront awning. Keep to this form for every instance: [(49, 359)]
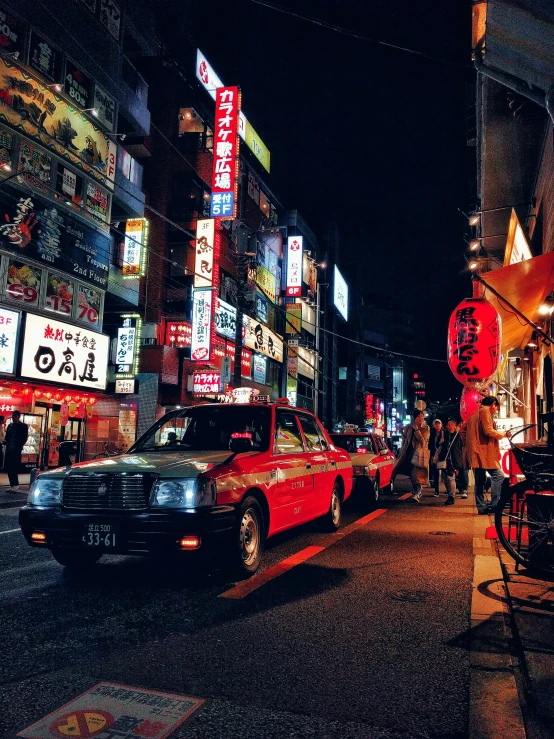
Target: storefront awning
[(525, 285)]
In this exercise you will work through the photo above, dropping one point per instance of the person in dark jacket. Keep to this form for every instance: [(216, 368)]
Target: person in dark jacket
[(16, 438), (451, 454), (435, 440)]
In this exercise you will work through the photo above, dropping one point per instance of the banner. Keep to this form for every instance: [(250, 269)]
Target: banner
[(266, 283), (261, 339), (44, 116), (201, 325), (294, 318)]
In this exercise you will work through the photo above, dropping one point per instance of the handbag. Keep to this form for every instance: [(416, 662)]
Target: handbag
[(441, 465), (421, 457)]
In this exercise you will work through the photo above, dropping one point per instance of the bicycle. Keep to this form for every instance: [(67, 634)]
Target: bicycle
[(109, 450), (524, 517)]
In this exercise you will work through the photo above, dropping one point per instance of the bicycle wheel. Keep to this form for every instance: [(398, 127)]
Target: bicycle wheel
[(524, 522)]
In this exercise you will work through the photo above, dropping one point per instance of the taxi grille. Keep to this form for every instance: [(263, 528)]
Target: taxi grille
[(107, 492)]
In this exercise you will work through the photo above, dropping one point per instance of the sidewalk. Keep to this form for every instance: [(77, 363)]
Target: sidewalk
[(13, 500)]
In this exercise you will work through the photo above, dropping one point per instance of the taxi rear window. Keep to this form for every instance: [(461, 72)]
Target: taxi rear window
[(207, 428), (352, 443)]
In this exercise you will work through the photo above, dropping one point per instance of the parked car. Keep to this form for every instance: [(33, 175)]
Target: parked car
[(372, 462), (211, 477)]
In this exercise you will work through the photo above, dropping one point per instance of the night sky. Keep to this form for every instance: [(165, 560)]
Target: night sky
[(372, 136)]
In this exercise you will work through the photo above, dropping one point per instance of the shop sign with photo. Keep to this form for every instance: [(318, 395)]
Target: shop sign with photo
[(201, 324), (9, 332), (35, 166), (89, 304), (294, 266), (125, 386), (59, 294), (259, 368), (206, 383), (110, 16), (96, 202), (261, 339), (44, 58), (78, 85), (6, 147), (204, 252), (35, 228), (292, 394), (69, 182), (266, 283), (262, 309), (127, 345), (226, 153), (309, 273), (23, 283), (136, 240), (225, 319), (40, 113), (12, 35), (63, 353), (105, 105), (294, 318)]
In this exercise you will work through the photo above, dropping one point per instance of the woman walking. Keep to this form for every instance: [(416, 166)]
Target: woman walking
[(413, 459)]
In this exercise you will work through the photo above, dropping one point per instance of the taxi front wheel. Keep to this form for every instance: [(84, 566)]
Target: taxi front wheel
[(250, 537), (333, 518)]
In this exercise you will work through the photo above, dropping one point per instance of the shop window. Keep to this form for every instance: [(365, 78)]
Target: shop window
[(129, 167), (69, 186)]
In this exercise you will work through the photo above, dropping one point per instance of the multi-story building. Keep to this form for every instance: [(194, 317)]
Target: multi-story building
[(70, 102)]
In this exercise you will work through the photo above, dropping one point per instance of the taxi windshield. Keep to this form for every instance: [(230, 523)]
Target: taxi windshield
[(207, 427), (352, 442)]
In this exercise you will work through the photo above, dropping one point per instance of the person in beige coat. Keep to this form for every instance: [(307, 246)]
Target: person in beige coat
[(413, 459), (483, 452)]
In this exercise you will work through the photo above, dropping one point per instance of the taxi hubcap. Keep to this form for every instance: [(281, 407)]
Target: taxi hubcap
[(335, 508), (249, 537)]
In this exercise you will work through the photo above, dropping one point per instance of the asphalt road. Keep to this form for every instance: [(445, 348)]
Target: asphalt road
[(368, 638)]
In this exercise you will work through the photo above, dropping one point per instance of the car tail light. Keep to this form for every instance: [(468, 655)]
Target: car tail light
[(190, 542), (38, 537)]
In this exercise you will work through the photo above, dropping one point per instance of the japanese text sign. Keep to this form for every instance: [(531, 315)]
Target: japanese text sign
[(60, 352), (261, 339), (178, 333), (294, 266), (125, 387), (206, 383), (9, 325), (201, 324), (204, 255), (135, 239), (127, 344), (340, 295), (266, 283), (225, 319), (226, 153)]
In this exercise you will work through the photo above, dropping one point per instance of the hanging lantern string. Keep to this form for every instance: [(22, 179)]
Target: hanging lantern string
[(538, 329)]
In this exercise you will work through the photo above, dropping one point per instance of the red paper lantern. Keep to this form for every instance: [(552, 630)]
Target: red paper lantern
[(58, 397), (76, 398), (68, 398), (469, 402), (474, 336), (91, 401), (38, 394)]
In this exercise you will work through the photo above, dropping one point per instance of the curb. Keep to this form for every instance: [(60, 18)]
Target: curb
[(494, 707)]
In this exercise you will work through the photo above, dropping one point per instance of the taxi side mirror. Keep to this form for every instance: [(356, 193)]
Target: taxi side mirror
[(240, 442)]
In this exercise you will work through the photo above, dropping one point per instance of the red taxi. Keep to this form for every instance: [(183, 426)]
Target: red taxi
[(211, 476), (372, 462)]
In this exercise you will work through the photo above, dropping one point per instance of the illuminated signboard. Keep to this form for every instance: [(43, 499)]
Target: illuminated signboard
[(226, 153), (266, 282), (200, 348), (9, 325), (210, 81), (259, 367), (204, 256), (178, 333), (294, 318), (206, 383), (340, 294), (225, 319), (136, 240), (127, 349), (63, 353), (294, 266), (261, 339)]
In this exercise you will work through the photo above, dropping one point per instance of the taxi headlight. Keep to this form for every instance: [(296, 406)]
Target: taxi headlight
[(184, 493), (360, 470), (46, 491)]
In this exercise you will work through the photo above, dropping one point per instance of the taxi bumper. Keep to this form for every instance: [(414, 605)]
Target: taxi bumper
[(141, 533)]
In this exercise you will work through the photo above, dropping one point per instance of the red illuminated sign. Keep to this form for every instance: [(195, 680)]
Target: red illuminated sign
[(206, 383), (226, 152), (178, 333)]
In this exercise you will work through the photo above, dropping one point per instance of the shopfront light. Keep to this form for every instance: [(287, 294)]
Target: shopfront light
[(534, 340), (474, 219), (474, 244), (473, 266)]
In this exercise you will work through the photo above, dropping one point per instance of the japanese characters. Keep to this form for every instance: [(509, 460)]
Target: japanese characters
[(226, 149)]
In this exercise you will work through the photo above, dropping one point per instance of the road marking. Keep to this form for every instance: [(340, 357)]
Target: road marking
[(405, 497), (11, 531), (248, 586)]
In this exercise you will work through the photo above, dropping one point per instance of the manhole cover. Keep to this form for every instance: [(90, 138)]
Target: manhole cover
[(411, 596), (441, 533)]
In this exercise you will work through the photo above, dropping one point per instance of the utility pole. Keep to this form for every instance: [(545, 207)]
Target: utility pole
[(243, 261), (317, 370)]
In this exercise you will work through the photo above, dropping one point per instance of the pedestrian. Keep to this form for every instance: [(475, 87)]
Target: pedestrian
[(16, 437), (413, 459), (462, 478), (483, 452), (435, 441), (451, 459), (2, 437)]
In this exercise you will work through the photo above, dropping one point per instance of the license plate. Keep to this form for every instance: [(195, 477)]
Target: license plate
[(100, 535)]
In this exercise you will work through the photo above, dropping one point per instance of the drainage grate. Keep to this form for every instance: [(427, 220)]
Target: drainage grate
[(411, 596), (441, 533)]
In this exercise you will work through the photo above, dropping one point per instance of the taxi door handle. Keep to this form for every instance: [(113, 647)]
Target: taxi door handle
[(308, 466)]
